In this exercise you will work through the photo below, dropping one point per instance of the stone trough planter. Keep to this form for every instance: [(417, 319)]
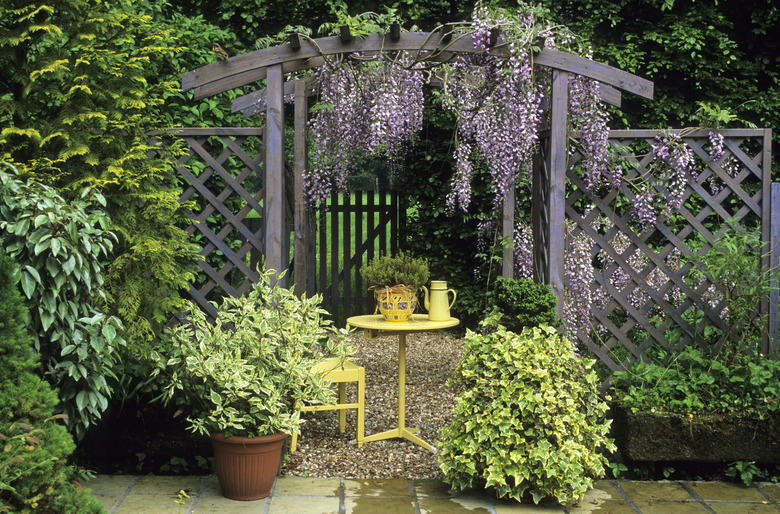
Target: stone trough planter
[(647, 436)]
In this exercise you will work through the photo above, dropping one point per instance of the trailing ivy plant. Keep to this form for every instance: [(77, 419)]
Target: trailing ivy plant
[(691, 382), (528, 420), (61, 248)]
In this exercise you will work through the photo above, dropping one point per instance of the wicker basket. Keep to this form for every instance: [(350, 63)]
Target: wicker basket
[(395, 305)]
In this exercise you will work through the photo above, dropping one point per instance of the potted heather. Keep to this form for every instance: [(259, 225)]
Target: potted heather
[(242, 378), (395, 281)]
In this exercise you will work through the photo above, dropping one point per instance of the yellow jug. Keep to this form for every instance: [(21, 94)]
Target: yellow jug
[(437, 305)]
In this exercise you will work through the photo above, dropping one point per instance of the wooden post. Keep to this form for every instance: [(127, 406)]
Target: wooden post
[(508, 232), (304, 247), (274, 173), (769, 218), (774, 264), (556, 196), (539, 216)]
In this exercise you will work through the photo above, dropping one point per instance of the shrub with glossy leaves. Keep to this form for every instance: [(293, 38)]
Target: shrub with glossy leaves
[(60, 247), (528, 422), (34, 475)]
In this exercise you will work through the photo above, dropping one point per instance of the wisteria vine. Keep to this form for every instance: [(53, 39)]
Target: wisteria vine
[(673, 165)]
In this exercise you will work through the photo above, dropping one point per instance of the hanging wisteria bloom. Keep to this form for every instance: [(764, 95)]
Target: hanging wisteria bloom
[(339, 128), (673, 165), (396, 106), (497, 103), (461, 184), (729, 164), (366, 108), (589, 118), (644, 212)]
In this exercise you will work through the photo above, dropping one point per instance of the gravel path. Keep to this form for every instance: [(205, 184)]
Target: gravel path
[(430, 360)]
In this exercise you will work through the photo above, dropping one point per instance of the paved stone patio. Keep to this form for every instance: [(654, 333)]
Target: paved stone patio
[(159, 495)]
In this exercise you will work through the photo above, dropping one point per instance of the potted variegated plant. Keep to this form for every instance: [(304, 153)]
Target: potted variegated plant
[(242, 378)]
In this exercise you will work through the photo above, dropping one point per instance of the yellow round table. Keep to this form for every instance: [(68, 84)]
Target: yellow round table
[(376, 325)]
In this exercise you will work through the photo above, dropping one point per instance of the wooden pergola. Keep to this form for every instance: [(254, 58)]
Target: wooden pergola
[(272, 64)]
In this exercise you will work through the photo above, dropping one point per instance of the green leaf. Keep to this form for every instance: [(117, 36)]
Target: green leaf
[(47, 318), (81, 399), (69, 264), (49, 301), (34, 272), (73, 230), (42, 245), (52, 265), (109, 332), (22, 228), (97, 343), (28, 285), (55, 246)]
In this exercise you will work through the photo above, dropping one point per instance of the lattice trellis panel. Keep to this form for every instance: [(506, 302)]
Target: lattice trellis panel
[(224, 170), (642, 294)]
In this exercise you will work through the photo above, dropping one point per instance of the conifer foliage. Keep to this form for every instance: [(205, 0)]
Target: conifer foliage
[(82, 89)]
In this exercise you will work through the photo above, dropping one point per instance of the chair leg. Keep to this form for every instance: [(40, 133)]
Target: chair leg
[(361, 406), (342, 412), (342, 399)]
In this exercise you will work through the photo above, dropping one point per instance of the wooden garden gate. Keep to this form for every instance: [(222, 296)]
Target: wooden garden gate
[(352, 231)]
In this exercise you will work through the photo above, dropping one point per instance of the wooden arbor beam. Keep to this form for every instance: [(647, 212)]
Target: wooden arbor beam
[(252, 66), (276, 240)]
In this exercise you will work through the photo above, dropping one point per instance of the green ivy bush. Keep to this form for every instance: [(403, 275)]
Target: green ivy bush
[(34, 475), (528, 422), (60, 247), (523, 303)]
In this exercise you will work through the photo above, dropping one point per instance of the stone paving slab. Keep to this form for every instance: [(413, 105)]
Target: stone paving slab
[(126, 494)]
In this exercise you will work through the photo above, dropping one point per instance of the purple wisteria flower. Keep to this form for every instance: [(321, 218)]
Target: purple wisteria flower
[(589, 117), (366, 108)]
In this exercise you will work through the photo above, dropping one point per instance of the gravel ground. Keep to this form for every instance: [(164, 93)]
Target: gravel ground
[(430, 360)]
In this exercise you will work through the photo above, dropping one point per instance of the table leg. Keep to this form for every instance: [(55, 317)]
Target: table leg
[(400, 432), (402, 381)]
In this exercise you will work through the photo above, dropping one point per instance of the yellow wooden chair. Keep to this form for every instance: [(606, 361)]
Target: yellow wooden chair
[(340, 372)]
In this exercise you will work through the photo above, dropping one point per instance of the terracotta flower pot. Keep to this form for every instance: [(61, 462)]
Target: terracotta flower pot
[(247, 466)]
